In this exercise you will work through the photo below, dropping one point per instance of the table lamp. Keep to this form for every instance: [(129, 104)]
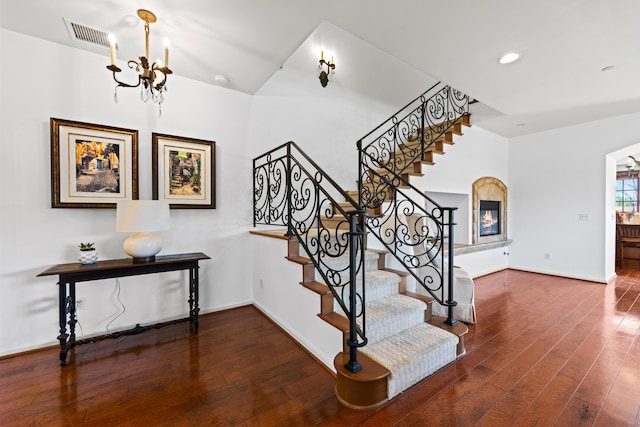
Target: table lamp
[(142, 217)]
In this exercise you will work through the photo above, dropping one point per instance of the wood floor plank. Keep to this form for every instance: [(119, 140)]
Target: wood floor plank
[(546, 351)]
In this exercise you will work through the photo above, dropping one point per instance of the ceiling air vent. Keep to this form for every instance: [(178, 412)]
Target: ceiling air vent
[(87, 34)]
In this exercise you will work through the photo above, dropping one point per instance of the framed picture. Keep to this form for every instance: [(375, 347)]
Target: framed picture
[(184, 171), (92, 166)]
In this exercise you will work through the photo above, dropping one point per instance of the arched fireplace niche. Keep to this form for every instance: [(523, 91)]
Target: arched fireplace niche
[(489, 212)]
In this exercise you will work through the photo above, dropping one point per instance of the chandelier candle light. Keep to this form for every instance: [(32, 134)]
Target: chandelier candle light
[(331, 69), (152, 77)]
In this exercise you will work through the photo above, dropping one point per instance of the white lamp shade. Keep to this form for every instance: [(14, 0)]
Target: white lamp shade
[(142, 217)]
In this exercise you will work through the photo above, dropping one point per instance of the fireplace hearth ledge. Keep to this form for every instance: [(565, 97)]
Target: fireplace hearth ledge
[(460, 249)]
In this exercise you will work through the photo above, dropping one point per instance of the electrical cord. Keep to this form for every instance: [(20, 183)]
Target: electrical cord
[(117, 292), (81, 330)]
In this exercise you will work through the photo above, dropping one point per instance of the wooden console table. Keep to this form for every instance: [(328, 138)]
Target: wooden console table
[(70, 274)]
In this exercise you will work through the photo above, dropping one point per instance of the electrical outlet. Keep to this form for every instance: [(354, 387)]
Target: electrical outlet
[(261, 285), (79, 304), (547, 256), (584, 217)]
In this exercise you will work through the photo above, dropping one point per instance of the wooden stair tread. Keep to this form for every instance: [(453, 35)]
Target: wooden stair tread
[(337, 321), (421, 297), (412, 162), (368, 185), (385, 172), (317, 287), (401, 273), (460, 329), (276, 234), (416, 145), (299, 259), (378, 251), (435, 135)]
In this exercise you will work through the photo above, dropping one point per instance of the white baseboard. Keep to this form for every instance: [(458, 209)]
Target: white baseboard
[(325, 359), (568, 276)]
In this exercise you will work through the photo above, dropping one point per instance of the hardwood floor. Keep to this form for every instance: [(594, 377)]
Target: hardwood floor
[(546, 351)]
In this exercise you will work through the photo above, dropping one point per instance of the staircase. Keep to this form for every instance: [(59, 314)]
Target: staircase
[(398, 340)]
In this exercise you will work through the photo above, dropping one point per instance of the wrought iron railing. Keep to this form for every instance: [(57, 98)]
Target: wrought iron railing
[(417, 231), (290, 190)]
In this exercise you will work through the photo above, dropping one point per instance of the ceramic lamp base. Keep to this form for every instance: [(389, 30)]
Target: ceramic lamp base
[(143, 246)]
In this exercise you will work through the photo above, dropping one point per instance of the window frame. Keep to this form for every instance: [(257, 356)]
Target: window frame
[(622, 203)]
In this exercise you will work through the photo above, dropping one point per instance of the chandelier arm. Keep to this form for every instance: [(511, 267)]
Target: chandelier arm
[(116, 70), (161, 70)]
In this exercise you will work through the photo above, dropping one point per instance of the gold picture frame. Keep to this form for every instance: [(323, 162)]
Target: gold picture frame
[(184, 171), (92, 166)]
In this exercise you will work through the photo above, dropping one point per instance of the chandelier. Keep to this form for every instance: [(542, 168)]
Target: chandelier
[(152, 77)]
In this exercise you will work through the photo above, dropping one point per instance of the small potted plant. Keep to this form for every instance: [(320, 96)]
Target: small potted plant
[(88, 253)]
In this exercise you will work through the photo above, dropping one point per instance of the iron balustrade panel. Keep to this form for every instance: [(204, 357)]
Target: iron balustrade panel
[(417, 233), (269, 188), (396, 148), (323, 229), (291, 190), (414, 228)]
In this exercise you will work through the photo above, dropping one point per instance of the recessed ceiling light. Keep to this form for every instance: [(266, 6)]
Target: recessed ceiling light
[(508, 58), (220, 80), (131, 20), (608, 68)]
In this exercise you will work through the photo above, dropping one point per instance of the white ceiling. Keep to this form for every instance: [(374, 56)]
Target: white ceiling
[(558, 81)]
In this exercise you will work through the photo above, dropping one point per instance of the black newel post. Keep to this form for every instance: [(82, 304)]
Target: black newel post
[(450, 301), (352, 342), (288, 178)]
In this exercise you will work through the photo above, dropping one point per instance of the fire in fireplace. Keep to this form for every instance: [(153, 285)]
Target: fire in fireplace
[(489, 218)]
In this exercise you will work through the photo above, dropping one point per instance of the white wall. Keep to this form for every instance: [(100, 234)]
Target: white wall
[(475, 154), (327, 121), (556, 175), (39, 80), (278, 293), (551, 177)]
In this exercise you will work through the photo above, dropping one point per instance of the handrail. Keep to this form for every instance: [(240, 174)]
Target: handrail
[(401, 110), (315, 165), (413, 231), (291, 189)]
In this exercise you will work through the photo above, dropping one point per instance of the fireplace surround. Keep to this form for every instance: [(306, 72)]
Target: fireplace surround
[(489, 212)]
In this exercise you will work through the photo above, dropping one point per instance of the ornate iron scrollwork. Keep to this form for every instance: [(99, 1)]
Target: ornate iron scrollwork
[(291, 190), (414, 228)]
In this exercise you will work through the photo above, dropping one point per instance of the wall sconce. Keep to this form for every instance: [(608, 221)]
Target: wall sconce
[(142, 217), (330, 69)]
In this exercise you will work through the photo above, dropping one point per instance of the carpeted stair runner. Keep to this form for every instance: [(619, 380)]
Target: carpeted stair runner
[(398, 337), (413, 354)]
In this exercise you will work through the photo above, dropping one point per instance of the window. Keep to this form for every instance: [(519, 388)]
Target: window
[(627, 194)]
